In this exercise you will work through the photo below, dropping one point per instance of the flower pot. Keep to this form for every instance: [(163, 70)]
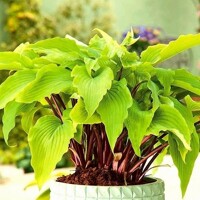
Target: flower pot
[(149, 191)]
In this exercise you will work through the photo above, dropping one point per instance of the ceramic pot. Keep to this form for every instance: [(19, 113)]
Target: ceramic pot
[(149, 191)]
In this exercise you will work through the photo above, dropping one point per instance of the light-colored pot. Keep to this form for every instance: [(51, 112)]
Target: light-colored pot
[(150, 191)]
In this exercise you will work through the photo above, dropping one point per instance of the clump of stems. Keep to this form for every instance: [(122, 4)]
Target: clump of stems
[(94, 149)]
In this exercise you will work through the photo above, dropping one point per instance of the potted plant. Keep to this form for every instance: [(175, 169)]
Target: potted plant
[(113, 110)]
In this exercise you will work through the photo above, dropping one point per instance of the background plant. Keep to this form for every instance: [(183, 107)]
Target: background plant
[(79, 18), (76, 18), (26, 16), (197, 5)]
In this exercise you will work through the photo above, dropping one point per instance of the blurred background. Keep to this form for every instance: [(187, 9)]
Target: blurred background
[(31, 20)]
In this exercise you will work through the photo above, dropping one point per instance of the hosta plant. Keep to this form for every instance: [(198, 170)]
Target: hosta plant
[(111, 109)]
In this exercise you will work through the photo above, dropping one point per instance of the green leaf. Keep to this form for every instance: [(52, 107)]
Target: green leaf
[(62, 44), (166, 78), (14, 61), (143, 72), (154, 94), (184, 168), (191, 104), (27, 119), (14, 84), (116, 102), (96, 84), (63, 51), (104, 61), (161, 52), (187, 116), (96, 45), (137, 123), (106, 37), (183, 43), (79, 133), (45, 195), (49, 140), (49, 79), (22, 50), (90, 64), (80, 115), (152, 53), (167, 118), (166, 100), (30, 184), (59, 57), (129, 60), (185, 112), (129, 75), (129, 39), (112, 48), (11, 111), (187, 81)]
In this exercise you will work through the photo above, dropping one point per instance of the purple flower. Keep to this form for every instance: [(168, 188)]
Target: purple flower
[(146, 34)]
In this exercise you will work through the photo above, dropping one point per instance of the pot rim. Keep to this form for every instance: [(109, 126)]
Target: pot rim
[(156, 181)]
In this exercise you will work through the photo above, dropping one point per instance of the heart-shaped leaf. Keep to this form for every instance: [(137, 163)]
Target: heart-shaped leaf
[(14, 84), (185, 168), (167, 118), (116, 102), (49, 140), (50, 79), (96, 84), (137, 123), (11, 111)]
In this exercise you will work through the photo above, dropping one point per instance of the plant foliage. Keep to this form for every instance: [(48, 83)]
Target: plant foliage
[(72, 17), (110, 108)]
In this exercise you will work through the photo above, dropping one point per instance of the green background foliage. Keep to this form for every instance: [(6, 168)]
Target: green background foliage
[(24, 21)]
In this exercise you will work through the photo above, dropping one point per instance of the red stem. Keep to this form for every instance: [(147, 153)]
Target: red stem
[(76, 157), (57, 96), (74, 101), (123, 166), (78, 149), (90, 147), (159, 148), (109, 161), (57, 106), (52, 107), (148, 165), (146, 138), (133, 92), (147, 150), (99, 146)]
